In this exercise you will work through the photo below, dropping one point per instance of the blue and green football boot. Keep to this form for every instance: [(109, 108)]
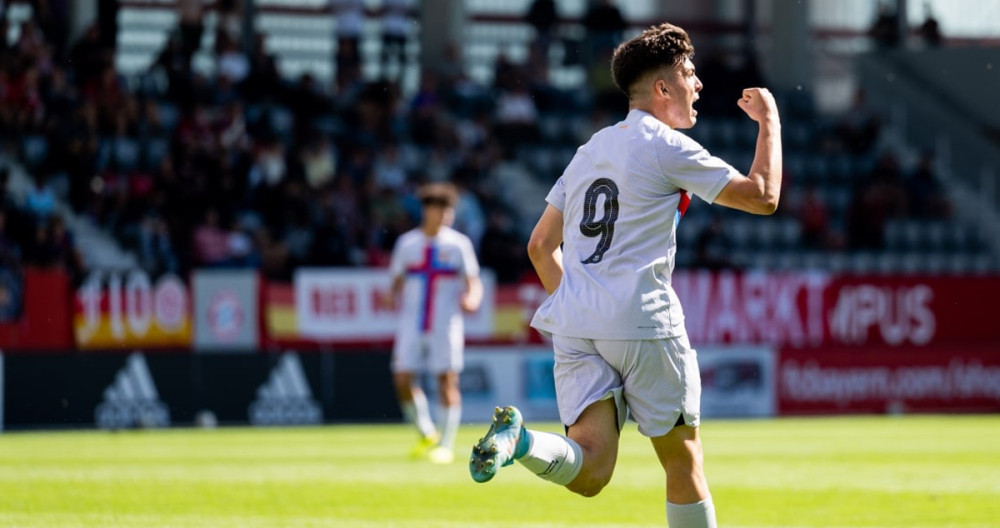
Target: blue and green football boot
[(505, 441)]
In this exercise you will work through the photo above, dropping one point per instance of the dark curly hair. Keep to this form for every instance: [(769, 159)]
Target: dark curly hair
[(664, 45)]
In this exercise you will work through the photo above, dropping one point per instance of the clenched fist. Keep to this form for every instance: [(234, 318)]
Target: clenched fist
[(758, 103)]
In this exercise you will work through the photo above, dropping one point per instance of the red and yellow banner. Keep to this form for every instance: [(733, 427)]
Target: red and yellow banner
[(129, 310)]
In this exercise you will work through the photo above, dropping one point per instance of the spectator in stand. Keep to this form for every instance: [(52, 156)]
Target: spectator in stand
[(813, 217), (231, 64), (344, 208), (11, 287), (155, 248), (714, 248), (194, 134), (516, 119), (210, 243), (604, 24), (927, 197), (714, 70), (10, 251), (396, 29), (885, 29), (231, 131), (230, 18), (17, 224), (107, 19), (107, 91), (332, 243), (30, 39), (243, 251), (425, 110), (88, 55), (4, 30), (263, 81), (307, 102), (190, 13), (319, 162), (23, 102), (175, 66), (858, 131), (64, 248), (272, 252), (350, 22), (53, 246), (463, 95), (390, 171), (40, 201), (53, 20), (516, 116), (876, 199), (469, 215), (930, 29), (543, 16), (502, 250)]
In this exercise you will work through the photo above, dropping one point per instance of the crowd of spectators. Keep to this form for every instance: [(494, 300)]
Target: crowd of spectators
[(244, 167), (32, 102)]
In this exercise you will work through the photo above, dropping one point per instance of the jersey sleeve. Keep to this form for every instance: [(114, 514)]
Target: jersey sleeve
[(396, 264), (557, 196), (689, 166), (470, 265)]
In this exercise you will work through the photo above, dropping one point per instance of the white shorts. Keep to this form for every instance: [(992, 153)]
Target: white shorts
[(657, 381), (436, 354)]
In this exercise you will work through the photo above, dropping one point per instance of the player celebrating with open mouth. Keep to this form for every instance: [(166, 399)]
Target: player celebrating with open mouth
[(604, 250)]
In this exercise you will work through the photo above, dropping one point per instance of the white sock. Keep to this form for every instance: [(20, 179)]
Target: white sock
[(552, 457), (449, 419), (697, 515), (417, 413)]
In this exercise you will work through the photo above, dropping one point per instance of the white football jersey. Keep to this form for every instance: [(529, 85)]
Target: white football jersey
[(435, 269), (622, 195)]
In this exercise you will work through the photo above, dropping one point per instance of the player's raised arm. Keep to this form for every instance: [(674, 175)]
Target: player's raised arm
[(759, 191), (544, 250)]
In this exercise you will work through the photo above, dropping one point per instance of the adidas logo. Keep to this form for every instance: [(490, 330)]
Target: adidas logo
[(285, 398), (131, 399)]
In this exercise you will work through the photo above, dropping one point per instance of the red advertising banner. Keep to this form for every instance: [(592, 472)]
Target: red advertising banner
[(889, 379), (817, 309), (44, 320), (800, 309)]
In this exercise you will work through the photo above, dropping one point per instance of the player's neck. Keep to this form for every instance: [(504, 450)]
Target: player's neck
[(648, 108), (431, 230)]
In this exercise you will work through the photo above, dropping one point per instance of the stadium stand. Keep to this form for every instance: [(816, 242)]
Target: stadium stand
[(273, 160)]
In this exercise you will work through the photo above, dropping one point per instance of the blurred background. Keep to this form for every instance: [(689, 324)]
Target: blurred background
[(199, 200)]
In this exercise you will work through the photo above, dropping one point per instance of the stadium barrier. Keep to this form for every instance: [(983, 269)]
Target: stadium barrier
[(769, 343), (148, 390), (846, 380), (325, 309)]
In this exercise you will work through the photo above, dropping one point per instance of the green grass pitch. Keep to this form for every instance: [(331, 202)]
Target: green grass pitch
[(886, 472)]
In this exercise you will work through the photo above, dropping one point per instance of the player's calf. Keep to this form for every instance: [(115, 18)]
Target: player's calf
[(549, 456)]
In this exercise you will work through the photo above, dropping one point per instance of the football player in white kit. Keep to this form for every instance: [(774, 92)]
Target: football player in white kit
[(436, 275), (604, 250)]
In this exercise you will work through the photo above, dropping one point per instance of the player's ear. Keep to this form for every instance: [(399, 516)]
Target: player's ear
[(661, 87)]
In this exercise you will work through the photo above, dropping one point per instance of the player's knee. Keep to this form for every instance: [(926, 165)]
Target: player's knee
[(688, 462), (589, 485)]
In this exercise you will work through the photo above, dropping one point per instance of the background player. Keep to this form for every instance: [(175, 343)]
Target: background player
[(604, 250), (436, 274)]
